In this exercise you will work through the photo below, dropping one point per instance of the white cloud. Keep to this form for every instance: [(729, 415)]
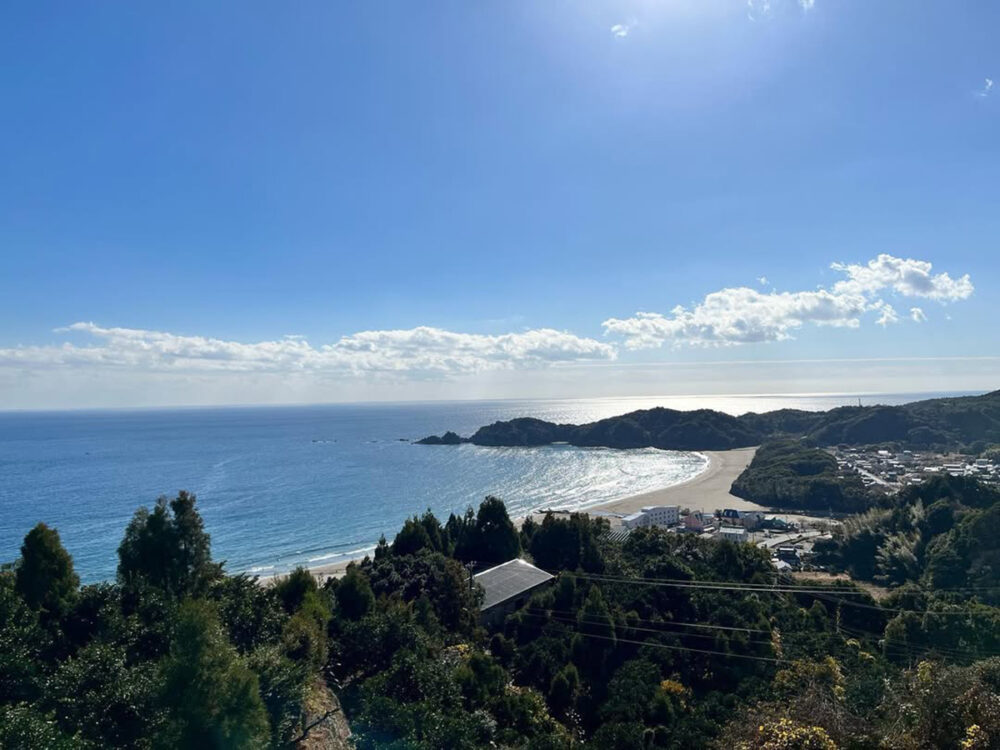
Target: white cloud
[(620, 30), (887, 313), (739, 316), (758, 9), (742, 315), (765, 10), (986, 89), (905, 276), (418, 352), (125, 363), (762, 280)]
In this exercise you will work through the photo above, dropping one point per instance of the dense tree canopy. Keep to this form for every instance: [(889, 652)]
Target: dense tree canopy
[(662, 640), (173, 655), (944, 534)]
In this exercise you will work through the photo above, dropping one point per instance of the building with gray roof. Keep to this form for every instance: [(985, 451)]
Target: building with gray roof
[(507, 586)]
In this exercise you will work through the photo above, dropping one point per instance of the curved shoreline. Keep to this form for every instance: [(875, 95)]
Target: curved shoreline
[(706, 490), (606, 505)]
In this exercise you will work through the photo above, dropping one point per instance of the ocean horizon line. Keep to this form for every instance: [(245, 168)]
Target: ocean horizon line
[(947, 393)]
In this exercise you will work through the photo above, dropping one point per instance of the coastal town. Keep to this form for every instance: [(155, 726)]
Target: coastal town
[(789, 539), (894, 469)]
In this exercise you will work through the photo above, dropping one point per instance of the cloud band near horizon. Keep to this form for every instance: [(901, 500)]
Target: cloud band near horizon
[(422, 351), (728, 317)]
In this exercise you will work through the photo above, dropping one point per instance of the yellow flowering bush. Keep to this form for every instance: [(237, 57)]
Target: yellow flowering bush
[(975, 739), (786, 734), (673, 687)]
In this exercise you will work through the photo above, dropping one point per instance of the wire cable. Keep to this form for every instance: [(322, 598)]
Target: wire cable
[(669, 622), (576, 621), (681, 648)]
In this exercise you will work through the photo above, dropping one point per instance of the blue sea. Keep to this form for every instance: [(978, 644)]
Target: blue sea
[(283, 486)]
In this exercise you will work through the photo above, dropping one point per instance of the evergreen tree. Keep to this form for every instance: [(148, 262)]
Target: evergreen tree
[(435, 534), (497, 539), (411, 538), (23, 728), (354, 594), (563, 689), (193, 557), (293, 589), (45, 577), (212, 698), (461, 533), (168, 548), (304, 635), (568, 543)]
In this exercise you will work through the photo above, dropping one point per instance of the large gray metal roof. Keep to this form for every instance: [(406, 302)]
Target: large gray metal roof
[(508, 580)]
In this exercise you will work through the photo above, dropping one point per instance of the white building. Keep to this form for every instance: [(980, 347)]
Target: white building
[(653, 515), (733, 534)]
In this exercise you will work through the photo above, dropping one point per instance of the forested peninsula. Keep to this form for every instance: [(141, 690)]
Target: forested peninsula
[(787, 474), (967, 422)]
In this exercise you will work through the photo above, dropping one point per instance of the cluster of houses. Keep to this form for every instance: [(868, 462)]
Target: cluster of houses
[(672, 517), (892, 469), (790, 547), (729, 524)]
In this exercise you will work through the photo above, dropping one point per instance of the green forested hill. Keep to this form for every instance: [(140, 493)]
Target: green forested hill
[(968, 421), (788, 474)]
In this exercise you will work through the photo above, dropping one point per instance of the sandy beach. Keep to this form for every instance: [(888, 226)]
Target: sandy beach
[(707, 491), (322, 572)]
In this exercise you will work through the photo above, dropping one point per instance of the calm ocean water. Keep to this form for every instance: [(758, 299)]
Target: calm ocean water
[(280, 486)]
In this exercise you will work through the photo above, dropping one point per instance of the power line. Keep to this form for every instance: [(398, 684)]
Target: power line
[(680, 648), (899, 650), (854, 632), (920, 589), (671, 622), (711, 585), (892, 610), (783, 587), (917, 650), (826, 594), (571, 621)]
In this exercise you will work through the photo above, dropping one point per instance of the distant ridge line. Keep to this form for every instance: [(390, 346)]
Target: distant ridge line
[(948, 421)]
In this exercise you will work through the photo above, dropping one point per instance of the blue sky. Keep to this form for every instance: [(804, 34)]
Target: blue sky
[(476, 199)]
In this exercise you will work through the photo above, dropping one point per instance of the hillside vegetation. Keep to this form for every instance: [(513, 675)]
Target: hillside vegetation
[(969, 422), (944, 533), (788, 474), (661, 641)]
